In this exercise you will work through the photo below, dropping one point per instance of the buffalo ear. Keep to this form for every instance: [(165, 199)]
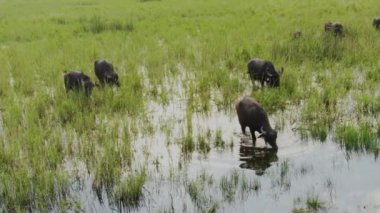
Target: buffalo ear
[(281, 71)]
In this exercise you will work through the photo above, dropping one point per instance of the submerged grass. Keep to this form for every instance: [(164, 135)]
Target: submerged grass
[(129, 192), (313, 204), (232, 186), (228, 185), (196, 190)]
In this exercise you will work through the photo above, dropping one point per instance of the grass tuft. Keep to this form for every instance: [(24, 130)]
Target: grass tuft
[(130, 191), (361, 138), (97, 25), (314, 204)]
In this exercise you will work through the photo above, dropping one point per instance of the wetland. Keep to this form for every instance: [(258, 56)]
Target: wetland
[(168, 139)]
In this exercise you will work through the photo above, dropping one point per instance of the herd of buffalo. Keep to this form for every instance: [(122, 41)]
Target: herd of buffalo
[(250, 113), (78, 81)]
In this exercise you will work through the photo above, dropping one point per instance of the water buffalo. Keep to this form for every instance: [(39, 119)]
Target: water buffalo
[(376, 22), (105, 72), (337, 28), (263, 71), (297, 34), (252, 115), (78, 81)]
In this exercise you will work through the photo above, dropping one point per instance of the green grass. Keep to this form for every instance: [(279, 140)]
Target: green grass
[(368, 104), (361, 138), (203, 145), (129, 192), (205, 190), (207, 43), (314, 204)]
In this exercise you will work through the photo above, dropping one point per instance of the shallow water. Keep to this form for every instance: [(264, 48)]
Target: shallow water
[(321, 170), (266, 181), (341, 181)]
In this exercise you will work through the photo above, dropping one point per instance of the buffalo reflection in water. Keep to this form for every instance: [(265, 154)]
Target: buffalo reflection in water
[(258, 159)]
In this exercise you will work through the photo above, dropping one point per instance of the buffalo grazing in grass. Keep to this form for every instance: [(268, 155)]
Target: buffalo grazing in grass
[(376, 22), (78, 81), (264, 72), (105, 72), (335, 27)]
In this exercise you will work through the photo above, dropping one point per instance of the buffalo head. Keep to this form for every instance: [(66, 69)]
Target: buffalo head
[(105, 72), (273, 78), (336, 28), (270, 137), (78, 81), (376, 22)]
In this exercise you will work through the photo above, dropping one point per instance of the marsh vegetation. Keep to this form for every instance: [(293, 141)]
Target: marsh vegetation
[(168, 138)]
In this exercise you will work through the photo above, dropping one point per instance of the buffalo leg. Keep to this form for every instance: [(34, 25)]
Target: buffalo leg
[(243, 129), (253, 136)]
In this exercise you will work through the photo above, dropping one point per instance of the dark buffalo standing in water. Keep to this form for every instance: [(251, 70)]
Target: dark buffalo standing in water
[(336, 28), (252, 115), (78, 81), (105, 72), (263, 71), (376, 23)]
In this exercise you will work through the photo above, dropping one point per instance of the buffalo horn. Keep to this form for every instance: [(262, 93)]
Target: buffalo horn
[(269, 74), (263, 133), (262, 130)]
